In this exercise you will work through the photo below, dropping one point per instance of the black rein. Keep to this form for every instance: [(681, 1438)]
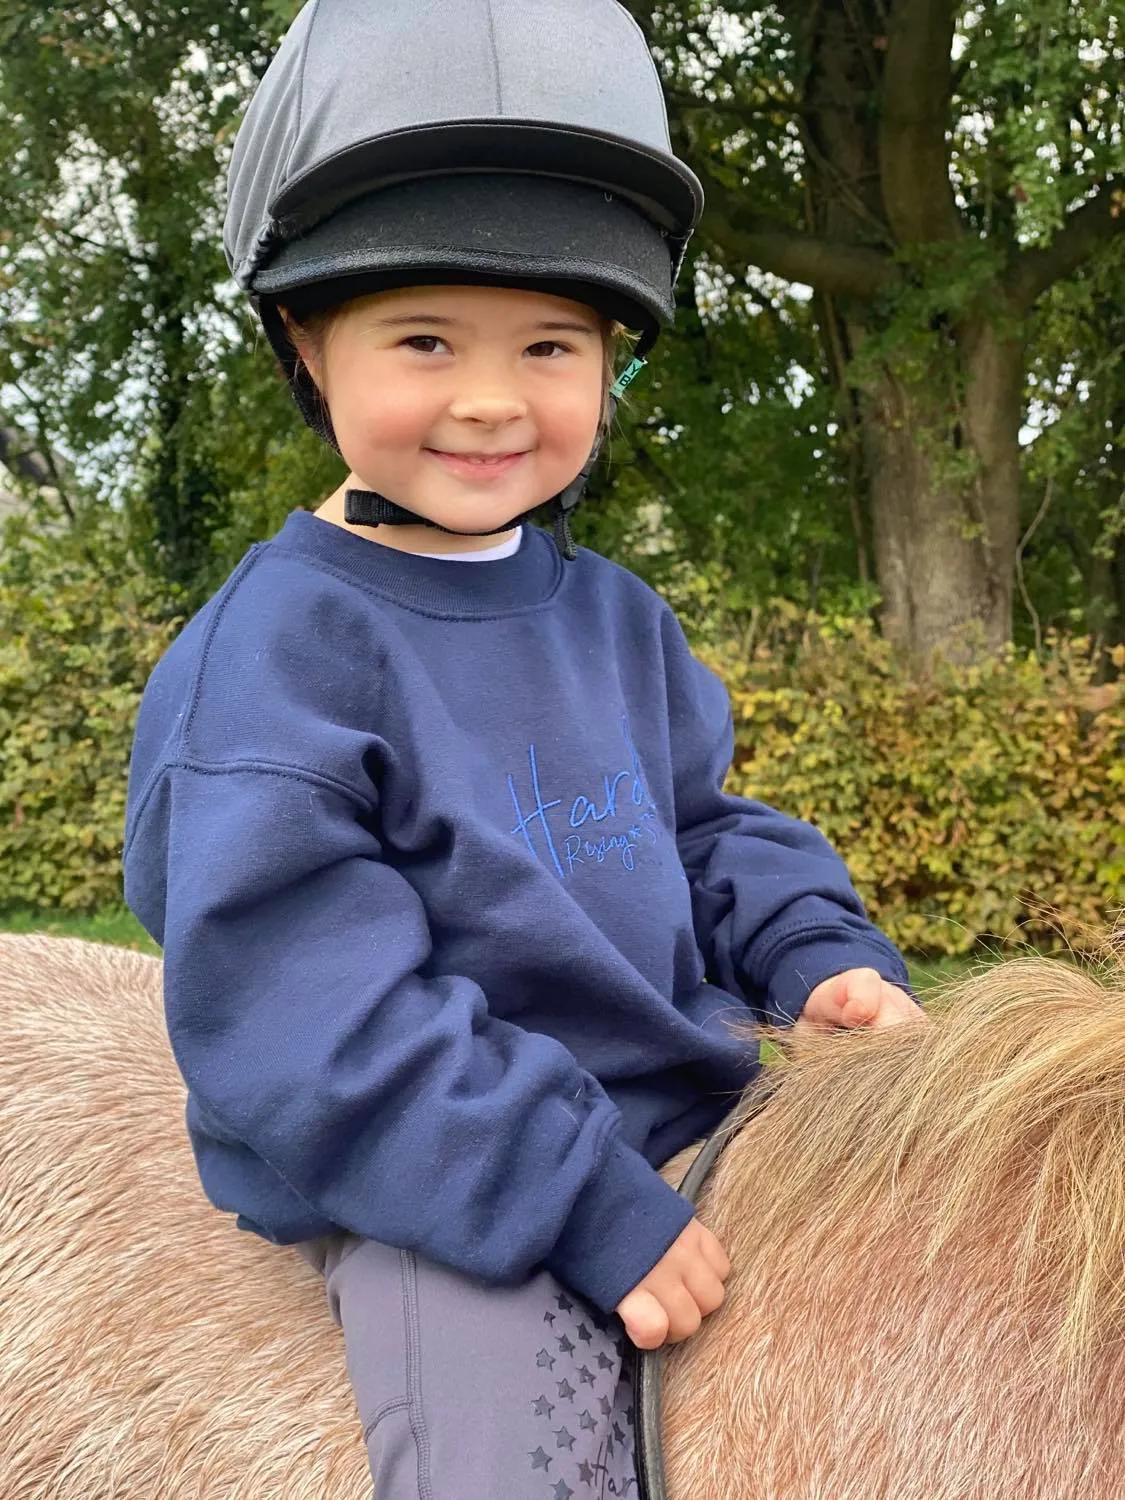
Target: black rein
[(649, 1362)]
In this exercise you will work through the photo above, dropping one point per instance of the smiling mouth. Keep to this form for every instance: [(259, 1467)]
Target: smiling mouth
[(477, 458), (478, 465)]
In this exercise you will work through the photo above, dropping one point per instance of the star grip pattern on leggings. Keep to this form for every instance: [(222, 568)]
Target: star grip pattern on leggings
[(584, 1405)]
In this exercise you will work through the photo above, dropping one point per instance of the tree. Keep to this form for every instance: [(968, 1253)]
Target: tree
[(1071, 572), (931, 173), (119, 341), (724, 488)]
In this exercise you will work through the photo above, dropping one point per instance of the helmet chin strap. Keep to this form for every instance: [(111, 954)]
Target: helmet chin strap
[(367, 508)]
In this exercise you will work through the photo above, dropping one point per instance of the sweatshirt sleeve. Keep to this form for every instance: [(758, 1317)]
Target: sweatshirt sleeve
[(313, 1032), (774, 910)]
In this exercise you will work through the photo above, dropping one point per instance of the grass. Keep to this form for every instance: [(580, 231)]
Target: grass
[(119, 926), (925, 973), (116, 925)]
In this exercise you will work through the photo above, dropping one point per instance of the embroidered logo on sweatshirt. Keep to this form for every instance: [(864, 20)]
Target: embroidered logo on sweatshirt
[(611, 820)]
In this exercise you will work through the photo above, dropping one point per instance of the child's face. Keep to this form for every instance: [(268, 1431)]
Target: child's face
[(466, 405)]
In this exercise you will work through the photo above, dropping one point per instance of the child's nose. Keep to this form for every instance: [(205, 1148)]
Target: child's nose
[(493, 408)]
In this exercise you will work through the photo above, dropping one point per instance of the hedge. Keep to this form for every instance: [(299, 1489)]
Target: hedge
[(970, 802), (78, 640)]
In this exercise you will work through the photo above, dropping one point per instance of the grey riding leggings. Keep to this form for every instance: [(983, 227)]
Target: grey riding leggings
[(468, 1392)]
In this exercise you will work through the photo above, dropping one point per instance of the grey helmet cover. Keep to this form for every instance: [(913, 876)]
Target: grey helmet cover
[(363, 96)]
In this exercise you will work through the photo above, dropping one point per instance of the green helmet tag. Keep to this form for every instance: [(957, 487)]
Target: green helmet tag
[(626, 378)]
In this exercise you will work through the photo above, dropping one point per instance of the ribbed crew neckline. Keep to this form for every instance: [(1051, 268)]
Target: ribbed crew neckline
[(432, 585), (484, 554)]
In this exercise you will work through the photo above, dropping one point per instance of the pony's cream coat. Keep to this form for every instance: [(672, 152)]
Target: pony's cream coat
[(927, 1226), (148, 1349)]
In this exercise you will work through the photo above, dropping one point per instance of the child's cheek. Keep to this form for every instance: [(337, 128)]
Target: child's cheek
[(398, 426), (572, 420), (386, 417), (379, 440)]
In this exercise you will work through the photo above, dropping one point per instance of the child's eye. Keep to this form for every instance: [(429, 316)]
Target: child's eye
[(548, 349), (424, 343)]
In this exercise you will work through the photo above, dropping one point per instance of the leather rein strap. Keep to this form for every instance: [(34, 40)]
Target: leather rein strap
[(649, 1362)]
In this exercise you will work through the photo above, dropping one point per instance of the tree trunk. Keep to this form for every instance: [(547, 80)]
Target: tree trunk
[(1117, 575), (1107, 585), (940, 450), (946, 531)]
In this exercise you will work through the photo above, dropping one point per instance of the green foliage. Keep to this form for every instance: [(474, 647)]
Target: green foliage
[(1073, 560), (970, 803), (1039, 109), (267, 461), (116, 327), (793, 114), (77, 643), (725, 463)]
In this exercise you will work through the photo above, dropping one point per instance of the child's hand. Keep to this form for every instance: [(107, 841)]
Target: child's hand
[(684, 1285), (859, 997)]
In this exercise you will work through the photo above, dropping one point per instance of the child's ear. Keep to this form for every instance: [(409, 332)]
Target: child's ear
[(306, 353)]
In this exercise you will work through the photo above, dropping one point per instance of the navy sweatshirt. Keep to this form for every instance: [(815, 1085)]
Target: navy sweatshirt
[(462, 935)]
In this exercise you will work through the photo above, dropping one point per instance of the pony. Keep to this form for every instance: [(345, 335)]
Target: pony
[(926, 1225)]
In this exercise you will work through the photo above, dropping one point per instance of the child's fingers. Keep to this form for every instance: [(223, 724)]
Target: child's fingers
[(825, 1006), (706, 1289), (670, 1317), (714, 1254), (684, 1315), (862, 997), (893, 1008), (645, 1320), (898, 1006)]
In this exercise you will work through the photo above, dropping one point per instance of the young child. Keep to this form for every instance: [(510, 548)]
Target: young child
[(462, 935)]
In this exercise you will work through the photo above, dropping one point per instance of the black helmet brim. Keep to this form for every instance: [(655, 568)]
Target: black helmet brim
[(503, 229)]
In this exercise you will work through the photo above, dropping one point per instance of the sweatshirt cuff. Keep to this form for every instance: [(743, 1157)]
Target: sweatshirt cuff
[(801, 969), (620, 1225)]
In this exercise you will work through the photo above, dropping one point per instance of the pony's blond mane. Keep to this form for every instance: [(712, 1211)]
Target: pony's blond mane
[(928, 1230)]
